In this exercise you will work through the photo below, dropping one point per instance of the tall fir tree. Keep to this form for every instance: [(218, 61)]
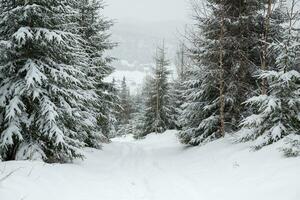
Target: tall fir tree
[(225, 57), (177, 88), (43, 84), (125, 103), (94, 30), (158, 109), (277, 111), (114, 112), (53, 96), (139, 117)]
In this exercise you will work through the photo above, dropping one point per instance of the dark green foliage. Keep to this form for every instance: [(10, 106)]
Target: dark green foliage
[(276, 114), (52, 67), (201, 115), (158, 109), (94, 30)]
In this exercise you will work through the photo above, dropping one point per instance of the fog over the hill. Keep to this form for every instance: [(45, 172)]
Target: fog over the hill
[(144, 25), (148, 10)]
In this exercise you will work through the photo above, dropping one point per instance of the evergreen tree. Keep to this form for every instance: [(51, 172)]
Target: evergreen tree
[(124, 103), (94, 30), (113, 121), (124, 110), (224, 56), (271, 31), (138, 115), (135, 124), (181, 61), (177, 88), (175, 102), (277, 112), (43, 81), (158, 109)]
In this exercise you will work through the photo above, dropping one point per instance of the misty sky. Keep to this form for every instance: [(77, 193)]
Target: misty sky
[(147, 10)]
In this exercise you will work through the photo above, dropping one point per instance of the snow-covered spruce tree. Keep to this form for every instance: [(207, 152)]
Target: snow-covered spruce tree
[(223, 53), (177, 88), (125, 110), (270, 22), (99, 112), (277, 112), (107, 113), (114, 112), (43, 81), (125, 103), (176, 101), (139, 116), (135, 123), (158, 108)]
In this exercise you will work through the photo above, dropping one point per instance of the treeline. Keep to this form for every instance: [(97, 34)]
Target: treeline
[(151, 109), (53, 97), (238, 74)]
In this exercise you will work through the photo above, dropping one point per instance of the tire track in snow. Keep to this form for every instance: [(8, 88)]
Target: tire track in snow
[(147, 175)]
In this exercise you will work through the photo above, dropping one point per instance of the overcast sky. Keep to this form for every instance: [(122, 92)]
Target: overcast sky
[(147, 10)]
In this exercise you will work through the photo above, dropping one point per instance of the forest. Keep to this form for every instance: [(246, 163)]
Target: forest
[(236, 82), (237, 74)]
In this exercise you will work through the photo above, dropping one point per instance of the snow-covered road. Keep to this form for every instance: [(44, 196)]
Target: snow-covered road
[(150, 171), (158, 168)]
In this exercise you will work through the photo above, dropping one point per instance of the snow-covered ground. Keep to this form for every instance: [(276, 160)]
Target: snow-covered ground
[(158, 168)]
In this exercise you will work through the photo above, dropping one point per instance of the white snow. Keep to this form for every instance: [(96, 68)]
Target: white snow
[(158, 168), (23, 34)]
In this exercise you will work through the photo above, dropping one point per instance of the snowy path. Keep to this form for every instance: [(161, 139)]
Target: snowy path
[(158, 168)]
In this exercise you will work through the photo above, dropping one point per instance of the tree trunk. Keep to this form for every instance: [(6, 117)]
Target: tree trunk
[(221, 77), (264, 64), (157, 96)]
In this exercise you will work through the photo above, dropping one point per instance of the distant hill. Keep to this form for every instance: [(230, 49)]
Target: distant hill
[(138, 41)]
